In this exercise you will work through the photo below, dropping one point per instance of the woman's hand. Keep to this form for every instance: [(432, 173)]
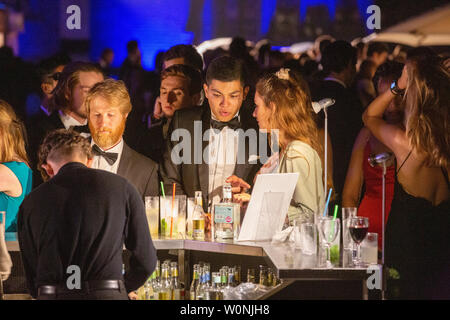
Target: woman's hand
[(403, 80), (243, 199), (238, 185)]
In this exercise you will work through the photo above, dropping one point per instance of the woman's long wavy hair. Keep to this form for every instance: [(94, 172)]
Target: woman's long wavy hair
[(12, 135), (427, 99), (293, 110)]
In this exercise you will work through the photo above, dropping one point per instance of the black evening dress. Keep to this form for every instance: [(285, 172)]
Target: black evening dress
[(418, 244)]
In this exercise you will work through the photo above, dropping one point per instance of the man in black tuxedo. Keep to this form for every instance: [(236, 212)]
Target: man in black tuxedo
[(214, 148), (108, 105), (344, 117), (72, 228), (67, 101), (181, 87)]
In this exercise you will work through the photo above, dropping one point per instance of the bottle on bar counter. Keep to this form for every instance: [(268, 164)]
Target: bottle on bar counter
[(227, 216), (198, 218), (177, 287), (165, 292)]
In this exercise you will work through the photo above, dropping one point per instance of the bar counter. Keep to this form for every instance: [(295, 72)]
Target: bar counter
[(289, 264)]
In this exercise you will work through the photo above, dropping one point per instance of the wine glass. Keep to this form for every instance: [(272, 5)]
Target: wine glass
[(358, 230), (329, 228)]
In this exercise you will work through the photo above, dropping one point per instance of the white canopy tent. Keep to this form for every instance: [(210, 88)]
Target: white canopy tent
[(429, 29)]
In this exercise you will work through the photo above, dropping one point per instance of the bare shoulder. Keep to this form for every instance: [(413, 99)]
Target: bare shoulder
[(5, 172), (8, 179)]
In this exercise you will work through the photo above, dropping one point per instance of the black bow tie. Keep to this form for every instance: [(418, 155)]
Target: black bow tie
[(232, 124), (81, 129), (110, 157)]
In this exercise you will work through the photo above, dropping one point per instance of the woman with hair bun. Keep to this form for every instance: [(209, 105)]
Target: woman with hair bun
[(417, 231), (284, 109)]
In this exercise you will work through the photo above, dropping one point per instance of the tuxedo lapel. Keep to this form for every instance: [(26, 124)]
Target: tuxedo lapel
[(55, 121), (125, 163)]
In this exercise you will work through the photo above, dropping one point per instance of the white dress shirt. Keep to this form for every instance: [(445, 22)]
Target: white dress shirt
[(100, 163), (223, 149), (69, 122)]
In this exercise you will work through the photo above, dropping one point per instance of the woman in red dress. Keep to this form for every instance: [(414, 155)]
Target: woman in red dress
[(361, 172)]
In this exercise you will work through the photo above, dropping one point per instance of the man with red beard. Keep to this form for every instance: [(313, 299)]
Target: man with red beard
[(108, 105)]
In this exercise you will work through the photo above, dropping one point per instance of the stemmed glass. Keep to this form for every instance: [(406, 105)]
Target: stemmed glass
[(358, 230), (329, 229)]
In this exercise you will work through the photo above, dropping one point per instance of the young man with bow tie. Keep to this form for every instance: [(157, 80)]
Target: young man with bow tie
[(67, 101), (217, 128), (108, 105)]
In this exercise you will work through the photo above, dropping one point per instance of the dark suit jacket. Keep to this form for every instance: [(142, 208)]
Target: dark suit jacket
[(140, 171), (152, 143), (191, 177), (37, 128), (83, 217), (344, 124)]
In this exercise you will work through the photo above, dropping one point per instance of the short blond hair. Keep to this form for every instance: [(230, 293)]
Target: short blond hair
[(114, 91)]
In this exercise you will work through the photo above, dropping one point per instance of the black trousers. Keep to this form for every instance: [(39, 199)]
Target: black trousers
[(104, 294)]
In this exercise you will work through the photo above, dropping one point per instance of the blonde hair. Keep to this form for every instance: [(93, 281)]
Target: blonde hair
[(12, 135), (427, 99), (293, 115), (114, 91)]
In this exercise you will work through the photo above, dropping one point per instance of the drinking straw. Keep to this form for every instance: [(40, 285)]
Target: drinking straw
[(335, 212), (162, 190), (328, 201), (171, 216), (334, 218)]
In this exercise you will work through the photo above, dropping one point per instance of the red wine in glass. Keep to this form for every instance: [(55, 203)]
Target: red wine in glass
[(358, 233)]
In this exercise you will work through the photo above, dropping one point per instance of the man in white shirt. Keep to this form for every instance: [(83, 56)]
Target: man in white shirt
[(67, 100), (221, 153), (108, 105)]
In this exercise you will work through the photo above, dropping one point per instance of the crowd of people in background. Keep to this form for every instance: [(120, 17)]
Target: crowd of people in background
[(129, 113)]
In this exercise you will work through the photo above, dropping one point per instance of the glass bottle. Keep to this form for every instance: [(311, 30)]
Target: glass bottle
[(237, 275), (200, 290), (165, 292), (227, 216), (156, 285), (223, 277), (195, 280), (198, 218), (207, 272), (269, 277), (263, 275), (231, 281), (251, 275), (177, 287), (215, 291), (148, 290)]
